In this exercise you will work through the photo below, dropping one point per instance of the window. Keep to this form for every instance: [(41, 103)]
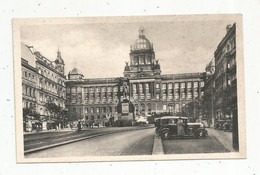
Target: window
[(195, 84), (202, 84), (170, 86), (164, 86), (182, 85), (176, 85), (97, 109), (25, 74), (148, 60), (92, 110), (189, 84), (157, 96), (177, 108), (73, 90), (141, 59), (135, 61), (164, 108), (86, 110), (157, 85), (78, 89), (189, 96)]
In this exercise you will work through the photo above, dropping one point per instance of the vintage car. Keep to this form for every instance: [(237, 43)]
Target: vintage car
[(228, 125), (167, 127), (219, 124)]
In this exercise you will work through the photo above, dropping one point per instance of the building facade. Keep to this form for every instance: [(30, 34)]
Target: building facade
[(142, 86), (43, 81), (225, 75), (209, 92)]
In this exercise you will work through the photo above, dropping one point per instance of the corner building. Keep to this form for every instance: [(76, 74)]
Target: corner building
[(142, 85), (42, 82)]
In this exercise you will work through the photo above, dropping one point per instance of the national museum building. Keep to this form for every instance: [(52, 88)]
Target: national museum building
[(140, 91)]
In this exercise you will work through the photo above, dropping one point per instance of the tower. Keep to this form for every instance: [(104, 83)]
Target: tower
[(142, 58), (59, 63)]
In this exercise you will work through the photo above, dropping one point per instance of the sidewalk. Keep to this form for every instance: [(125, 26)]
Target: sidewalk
[(224, 137)]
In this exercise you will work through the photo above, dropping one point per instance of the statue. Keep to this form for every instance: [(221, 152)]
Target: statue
[(127, 68), (125, 90)]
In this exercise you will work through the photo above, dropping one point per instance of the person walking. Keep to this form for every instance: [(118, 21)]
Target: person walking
[(180, 127), (79, 126)]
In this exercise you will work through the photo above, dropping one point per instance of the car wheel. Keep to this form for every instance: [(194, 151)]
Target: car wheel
[(165, 135), (201, 134)]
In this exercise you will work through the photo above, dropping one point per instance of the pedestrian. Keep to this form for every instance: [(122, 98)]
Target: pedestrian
[(79, 126), (180, 127)]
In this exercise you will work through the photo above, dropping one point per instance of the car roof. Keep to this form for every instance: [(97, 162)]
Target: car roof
[(173, 117)]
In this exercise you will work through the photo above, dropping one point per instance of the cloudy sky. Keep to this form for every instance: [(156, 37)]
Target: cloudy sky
[(101, 49)]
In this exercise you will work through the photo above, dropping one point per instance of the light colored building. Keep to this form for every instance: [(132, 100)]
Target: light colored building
[(42, 82), (142, 86)]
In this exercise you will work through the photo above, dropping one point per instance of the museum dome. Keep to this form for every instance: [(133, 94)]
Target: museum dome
[(142, 43), (74, 71)]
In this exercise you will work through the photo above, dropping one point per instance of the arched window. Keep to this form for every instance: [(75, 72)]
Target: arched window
[(164, 108)]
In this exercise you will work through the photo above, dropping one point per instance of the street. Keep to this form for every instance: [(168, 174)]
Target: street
[(135, 142)]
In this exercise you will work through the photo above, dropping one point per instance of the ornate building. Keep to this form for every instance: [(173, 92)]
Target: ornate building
[(142, 86), (42, 82), (225, 75)]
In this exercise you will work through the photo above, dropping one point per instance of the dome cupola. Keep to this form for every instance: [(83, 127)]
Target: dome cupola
[(142, 43), (75, 74)]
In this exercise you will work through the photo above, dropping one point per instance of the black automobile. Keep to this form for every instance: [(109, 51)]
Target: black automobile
[(167, 127), (219, 124)]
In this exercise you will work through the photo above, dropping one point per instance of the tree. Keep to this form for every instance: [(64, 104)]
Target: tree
[(56, 111)]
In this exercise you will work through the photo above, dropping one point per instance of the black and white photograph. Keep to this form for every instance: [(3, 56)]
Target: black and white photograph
[(129, 88)]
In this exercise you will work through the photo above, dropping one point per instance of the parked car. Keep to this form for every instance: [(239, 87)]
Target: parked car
[(228, 125), (219, 124), (167, 127)]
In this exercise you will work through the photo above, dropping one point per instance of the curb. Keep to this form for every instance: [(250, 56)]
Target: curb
[(157, 146), (75, 140)]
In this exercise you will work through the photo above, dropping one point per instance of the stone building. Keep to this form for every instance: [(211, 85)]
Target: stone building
[(42, 82), (142, 86), (209, 92), (225, 75)]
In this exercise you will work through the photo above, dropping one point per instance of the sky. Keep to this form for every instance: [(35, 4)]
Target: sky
[(100, 50)]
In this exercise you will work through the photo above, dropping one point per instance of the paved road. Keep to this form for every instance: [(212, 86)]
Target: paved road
[(137, 142), (190, 145)]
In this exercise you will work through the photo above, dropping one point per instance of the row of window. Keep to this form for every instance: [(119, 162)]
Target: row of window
[(142, 60), (92, 110), (52, 76), (92, 89), (29, 91), (28, 75)]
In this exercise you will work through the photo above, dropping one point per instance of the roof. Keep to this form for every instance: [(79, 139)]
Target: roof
[(27, 54), (173, 117), (74, 71)]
